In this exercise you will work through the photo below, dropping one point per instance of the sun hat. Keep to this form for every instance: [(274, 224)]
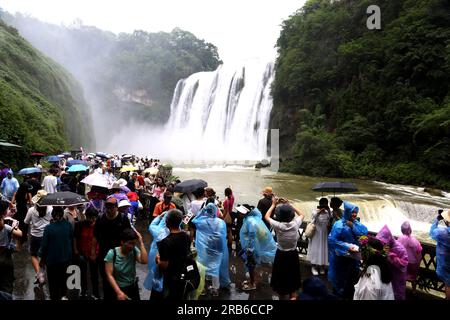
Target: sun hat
[(267, 190), (124, 203), (39, 195), (119, 183), (446, 215), (284, 213)]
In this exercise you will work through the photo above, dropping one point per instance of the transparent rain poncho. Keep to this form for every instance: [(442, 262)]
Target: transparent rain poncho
[(211, 243), (398, 259), (442, 236), (255, 235), (159, 231), (340, 239)]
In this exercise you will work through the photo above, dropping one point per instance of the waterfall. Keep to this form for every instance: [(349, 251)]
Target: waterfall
[(221, 115)]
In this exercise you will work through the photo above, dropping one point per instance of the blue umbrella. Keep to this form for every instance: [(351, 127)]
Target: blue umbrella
[(53, 159), (31, 170), (77, 168), (72, 162), (66, 154)]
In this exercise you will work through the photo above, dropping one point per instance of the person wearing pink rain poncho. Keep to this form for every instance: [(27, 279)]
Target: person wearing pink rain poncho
[(414, 251), (398, 259)]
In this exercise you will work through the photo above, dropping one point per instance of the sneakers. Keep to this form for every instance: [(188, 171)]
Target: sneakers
[(314, 271), (214, 292), (323, 271), (247, 286)]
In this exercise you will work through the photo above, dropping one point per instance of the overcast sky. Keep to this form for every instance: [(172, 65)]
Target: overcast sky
[(241, 29)]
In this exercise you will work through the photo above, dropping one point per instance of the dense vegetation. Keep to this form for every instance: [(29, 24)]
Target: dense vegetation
[(41, 105), (366, 103), (131, 76)]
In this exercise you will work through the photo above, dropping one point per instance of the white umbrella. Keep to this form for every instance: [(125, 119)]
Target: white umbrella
[(97, 179)]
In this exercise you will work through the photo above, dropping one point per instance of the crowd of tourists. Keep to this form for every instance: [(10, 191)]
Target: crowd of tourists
[(192, 237)]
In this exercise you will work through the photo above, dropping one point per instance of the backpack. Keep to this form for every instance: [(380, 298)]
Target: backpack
[(190, 276)]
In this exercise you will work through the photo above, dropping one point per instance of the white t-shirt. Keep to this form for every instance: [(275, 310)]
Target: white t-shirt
[(38, 224), (49, 184), (148, 182), (195, 206), (287, 233)]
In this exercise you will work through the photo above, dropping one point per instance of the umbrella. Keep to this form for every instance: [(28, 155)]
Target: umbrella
[(101, 155), (128, 168), (97, 179), (77, 168), (335, 187), (72, 162), (190, 185), (64, 198), (152, 170), (53, 159), (127, 156), (30, 170), (37, 154), (66, 154), (4, 144)]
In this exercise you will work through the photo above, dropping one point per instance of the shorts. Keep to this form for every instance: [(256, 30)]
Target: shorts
[(35, 244)]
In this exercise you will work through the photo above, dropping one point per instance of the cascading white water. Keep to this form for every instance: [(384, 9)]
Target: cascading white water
[(221, 115)]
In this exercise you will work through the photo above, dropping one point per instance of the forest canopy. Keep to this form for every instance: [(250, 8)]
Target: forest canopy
[(365, 103)]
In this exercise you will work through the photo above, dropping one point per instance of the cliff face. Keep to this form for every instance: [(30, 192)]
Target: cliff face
[(41, 105)]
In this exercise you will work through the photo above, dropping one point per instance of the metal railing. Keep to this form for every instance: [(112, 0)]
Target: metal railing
[(427, 278)]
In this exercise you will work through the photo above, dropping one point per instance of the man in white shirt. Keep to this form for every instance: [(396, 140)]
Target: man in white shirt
[(50, 182)]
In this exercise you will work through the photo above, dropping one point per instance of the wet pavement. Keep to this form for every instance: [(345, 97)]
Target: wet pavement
[(25, 289)]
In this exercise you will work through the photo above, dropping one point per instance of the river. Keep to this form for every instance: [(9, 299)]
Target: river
[(379, 203)]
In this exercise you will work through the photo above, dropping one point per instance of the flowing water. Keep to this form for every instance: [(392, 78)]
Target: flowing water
[(227, 110), (379, 203)]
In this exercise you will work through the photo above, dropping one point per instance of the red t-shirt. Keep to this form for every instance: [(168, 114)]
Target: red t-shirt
[(141, 180), (132, 196), (84, 234)]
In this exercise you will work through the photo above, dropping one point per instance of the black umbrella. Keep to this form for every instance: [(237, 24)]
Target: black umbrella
[(190, 185), (62, 199), (335, 187)]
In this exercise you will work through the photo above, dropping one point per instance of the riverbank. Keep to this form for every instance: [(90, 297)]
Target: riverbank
[(397, 173)]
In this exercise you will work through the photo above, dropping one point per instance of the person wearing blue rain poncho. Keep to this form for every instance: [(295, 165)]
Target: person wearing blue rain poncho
[(257, 243), (154, 279), (211, 245), (442, 237), (343, 247)]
